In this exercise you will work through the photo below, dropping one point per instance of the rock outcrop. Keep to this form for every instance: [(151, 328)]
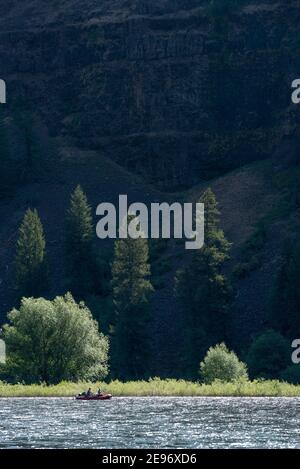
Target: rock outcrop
[(170, 89)]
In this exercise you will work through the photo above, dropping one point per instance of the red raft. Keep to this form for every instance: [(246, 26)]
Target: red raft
[(96, 397)]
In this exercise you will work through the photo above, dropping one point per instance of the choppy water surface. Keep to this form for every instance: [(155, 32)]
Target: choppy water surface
[(150, 423)]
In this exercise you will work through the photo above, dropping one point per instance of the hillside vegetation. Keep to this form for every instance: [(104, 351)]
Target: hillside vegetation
[(163, 101)]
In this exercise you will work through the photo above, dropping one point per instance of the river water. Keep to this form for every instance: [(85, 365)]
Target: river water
[(150, 423)]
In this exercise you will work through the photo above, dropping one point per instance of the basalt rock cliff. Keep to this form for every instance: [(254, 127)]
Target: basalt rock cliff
[(176, 90)]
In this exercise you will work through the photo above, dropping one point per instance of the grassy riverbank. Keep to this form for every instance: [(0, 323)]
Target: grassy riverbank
[(155, 387)]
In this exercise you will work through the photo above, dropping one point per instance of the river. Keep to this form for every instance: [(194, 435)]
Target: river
[(150, 423)]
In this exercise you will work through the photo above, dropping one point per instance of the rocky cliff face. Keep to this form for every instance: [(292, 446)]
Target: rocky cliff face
[(169, 89)]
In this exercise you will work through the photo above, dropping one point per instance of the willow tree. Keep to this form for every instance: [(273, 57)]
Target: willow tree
[(51, 341)]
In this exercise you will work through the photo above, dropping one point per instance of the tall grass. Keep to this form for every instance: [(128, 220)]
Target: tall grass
[(155, 387)]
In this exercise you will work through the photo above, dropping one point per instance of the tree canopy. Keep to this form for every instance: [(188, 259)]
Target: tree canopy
[(50, 341)]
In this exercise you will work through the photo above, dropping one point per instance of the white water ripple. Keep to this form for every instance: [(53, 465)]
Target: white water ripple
[(150, 423)]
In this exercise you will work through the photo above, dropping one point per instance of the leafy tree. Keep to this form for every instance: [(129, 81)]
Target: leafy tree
[(79, 243), (51, 341), (131, 289), (220, 363), (30, 261), (204, 290), (285, 305), (268, 355)]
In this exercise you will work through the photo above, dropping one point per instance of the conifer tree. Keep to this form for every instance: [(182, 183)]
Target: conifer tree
[(285, 305), (9, 170), (79, 243), (204, 289), (131, 290), (30, 262)]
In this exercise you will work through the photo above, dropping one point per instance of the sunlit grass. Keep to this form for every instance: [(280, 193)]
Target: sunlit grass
[(155, 387)]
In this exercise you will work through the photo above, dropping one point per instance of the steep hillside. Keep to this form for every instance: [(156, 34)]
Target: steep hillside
[(172, 90), (158, 100), (258, 198)]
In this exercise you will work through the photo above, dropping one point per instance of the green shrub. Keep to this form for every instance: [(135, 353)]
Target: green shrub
[(155, 387), (257, 240), (243, 269), (291, 374), (252, 253), (285, 300), (222, 364), (268, 355)]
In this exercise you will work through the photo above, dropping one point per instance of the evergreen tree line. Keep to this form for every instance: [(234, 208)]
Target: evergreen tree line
[(129, 286), (124, 287)]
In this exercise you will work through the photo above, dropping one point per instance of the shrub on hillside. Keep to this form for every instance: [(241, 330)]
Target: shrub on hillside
[(291, 374), (268, 355)]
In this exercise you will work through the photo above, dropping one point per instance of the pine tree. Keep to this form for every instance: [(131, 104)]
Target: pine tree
[(79, 244), (204, 290), (31, 266), (131, 289), (285, 304), (9, 169), (212, 213)]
